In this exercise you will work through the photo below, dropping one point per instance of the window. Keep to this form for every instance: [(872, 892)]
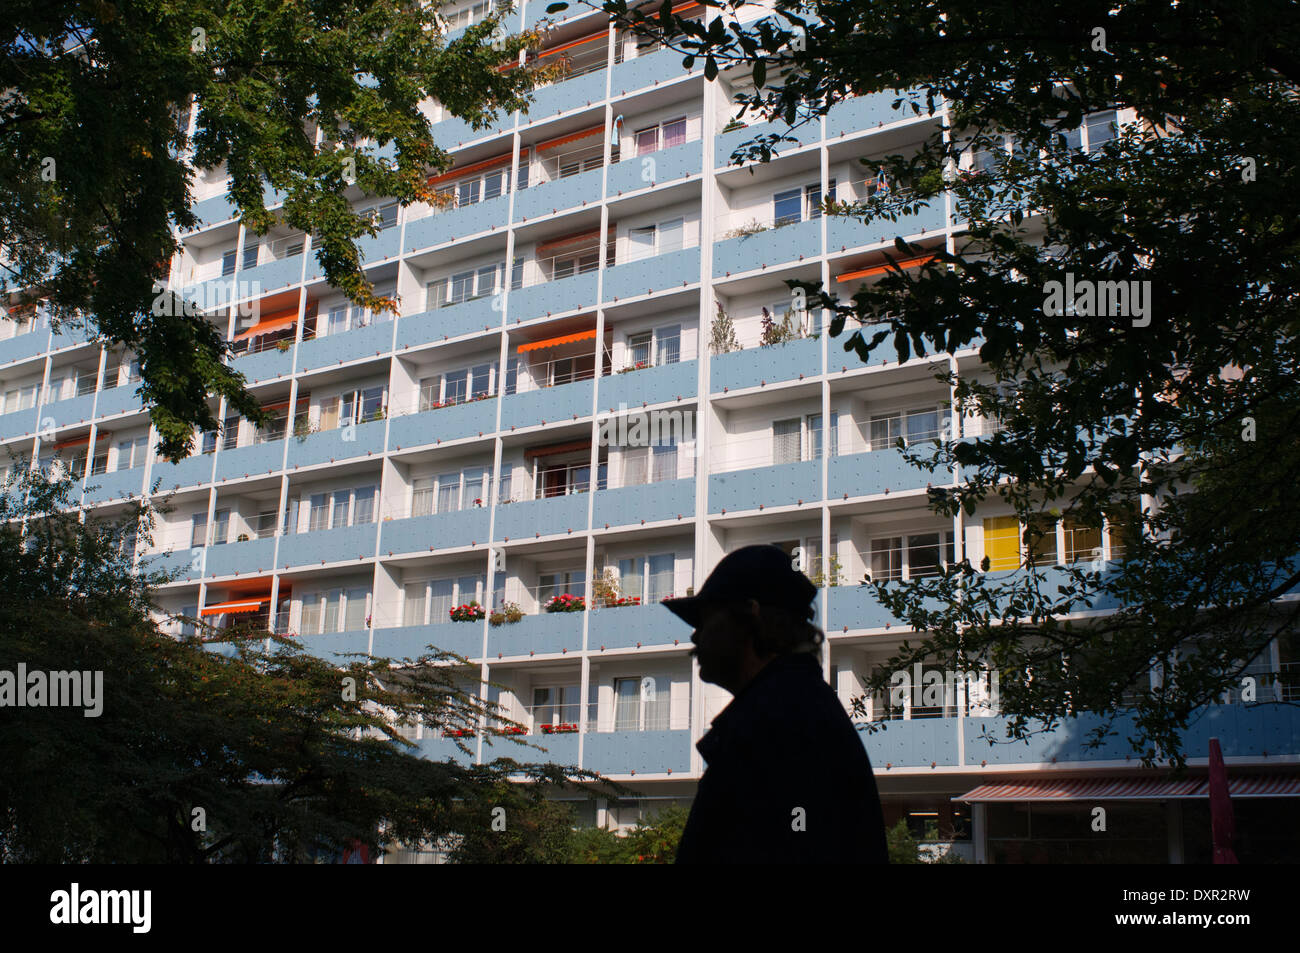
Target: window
[(230, 433), (384, 216), (659, 578), (422, 492), (353, 407), (556, 705), (662, 136), (352, 507), (1082, 543), (786, 440), (132, 453), (220, 527), (1101, 128), (914, 426), (641, 243), (228, 259), (466, 285), (199, 529), (655, 347), (815, 435), (641, 703), (787, 207), (663, 460), (913, 556), (559, 582), (639, 346), (251, 253), (337, 321), (335, 610), (631, 578), (449, 493), (813, 198)]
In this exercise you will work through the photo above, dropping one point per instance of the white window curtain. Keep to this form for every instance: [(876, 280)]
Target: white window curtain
[(785, 440)]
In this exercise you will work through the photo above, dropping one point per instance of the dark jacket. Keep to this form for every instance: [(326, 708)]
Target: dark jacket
[(785, 754)]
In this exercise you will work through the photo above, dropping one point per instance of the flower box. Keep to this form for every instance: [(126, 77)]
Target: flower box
[(564, 728), (565, 602), (470, 612)]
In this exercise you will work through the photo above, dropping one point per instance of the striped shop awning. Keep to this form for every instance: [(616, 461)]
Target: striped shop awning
[(1129, 789)]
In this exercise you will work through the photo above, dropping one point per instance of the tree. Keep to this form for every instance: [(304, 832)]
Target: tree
[(197, 757), (653, 840), (97, 166), (1166, 418)]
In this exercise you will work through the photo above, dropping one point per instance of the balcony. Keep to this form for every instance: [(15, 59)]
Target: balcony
[(728, 142), (19, 423), (554, 296), (857, 607), (436, 531), (666, 165), (331, 645), (783, 484), (864, 113), (758, 366), (450, 224), (543, 634), (330, 350), (412, 641), (469, 419), (381, 247), (185, 563), (71, 334), (575, 92), (214, 210), (843, 233), (648, 385), (547, 198), (645, 752), (468, 317), (341, 443), (270, 276), (115, 486), (774, 245), (549, 516), (651, 502), (344, 544), (24, 346), (547, 405), (118, 400), (915, 743), (252, 555), (250, 461), (632, 626), (265, 365), (188, 472), (880, 471), (71, 410), (674, 269), (649, 69), (434, 747)]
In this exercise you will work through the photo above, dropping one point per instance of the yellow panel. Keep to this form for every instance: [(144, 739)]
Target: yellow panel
[(1002, 542)]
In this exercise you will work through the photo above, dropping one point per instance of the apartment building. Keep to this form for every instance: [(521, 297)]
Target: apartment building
[(574, 286)]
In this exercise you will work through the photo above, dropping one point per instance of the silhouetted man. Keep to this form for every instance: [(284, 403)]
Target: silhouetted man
[(788, 780)]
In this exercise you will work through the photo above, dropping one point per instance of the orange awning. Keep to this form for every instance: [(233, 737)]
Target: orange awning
[(573, 239), (278, 320), (475, 167), (572, 137), (555, 342), (79, 441), (602, 35), (554, 449), (240, 605), (916, 262), (1129, 789)]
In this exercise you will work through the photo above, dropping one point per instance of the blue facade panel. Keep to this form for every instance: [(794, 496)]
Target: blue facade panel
[(344, 544), (469, 317), (864, 113), (629, 505), (658, 168), (445, 423), (548, 405), (566, 95), (878, 471), (250, 556), (334, 646), (17, 424), (341, 443), (188, 472), (551, 516), (557, 748), (858, 608), (377, 248), (918, 742), (557, 195), (553, 297), (843, 233), (451, 224), (727, 143), (438, 531), (652, 69), (115, 485), (369, 341), (765, 249), (252, 460), (217, 209), (271, 276), (782, 485), (645, 752), (264, 365), (673, 270), (756, 366), (541, 634), (412, 641), (628, 626), (651, 385), (63, 413), (23, 346), (118, 400)]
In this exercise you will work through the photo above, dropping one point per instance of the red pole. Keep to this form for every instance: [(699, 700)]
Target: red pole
[(1223, 828)]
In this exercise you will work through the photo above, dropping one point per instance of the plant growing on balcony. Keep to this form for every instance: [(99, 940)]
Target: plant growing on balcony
[(283, 346), (508, 614), (722, 337), (469, 612), (565, 602), (638, 366), (605, 588), (780, 333), (242, 538), (835, 576), (302, 428), (563, 728), (752, 227)]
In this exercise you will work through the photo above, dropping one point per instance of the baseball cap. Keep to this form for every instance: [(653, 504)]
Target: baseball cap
[(763, 573)]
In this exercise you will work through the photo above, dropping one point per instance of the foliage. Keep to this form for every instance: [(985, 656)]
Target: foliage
[(469, 612), (508, 614), (1173, 422), (110, 107), (652, 841), (722, 339), (564, 602), (903, 848), (282, 755), (779, 333)]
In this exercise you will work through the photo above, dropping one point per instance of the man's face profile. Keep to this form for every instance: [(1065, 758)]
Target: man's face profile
[(724, 645)]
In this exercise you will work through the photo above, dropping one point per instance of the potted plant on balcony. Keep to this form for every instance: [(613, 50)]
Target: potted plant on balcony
[(508, 614), (723, 333), (563, 728), (565, 602), (242, 538), (469, 612), (283, 346)]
